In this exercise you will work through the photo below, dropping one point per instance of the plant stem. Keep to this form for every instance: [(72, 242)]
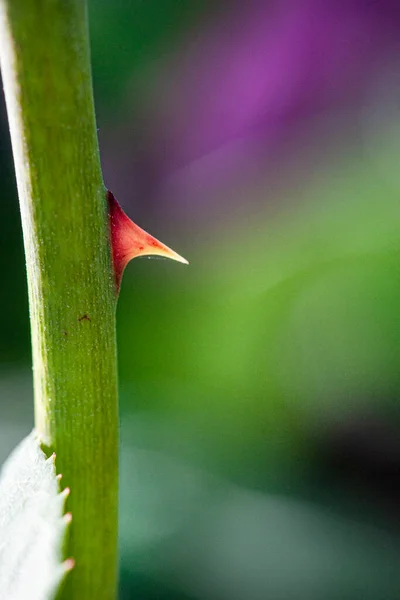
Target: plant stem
[(45, 62)]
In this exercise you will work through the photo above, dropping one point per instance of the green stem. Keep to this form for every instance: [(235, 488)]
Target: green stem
[(44, 53)]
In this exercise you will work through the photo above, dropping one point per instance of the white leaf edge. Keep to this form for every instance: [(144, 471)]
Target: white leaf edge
[(33, 525)]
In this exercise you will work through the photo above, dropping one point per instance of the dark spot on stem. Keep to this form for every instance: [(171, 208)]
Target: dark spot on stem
[(84, 317)]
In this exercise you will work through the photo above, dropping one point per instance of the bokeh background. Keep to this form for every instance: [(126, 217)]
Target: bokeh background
[(260, 447)]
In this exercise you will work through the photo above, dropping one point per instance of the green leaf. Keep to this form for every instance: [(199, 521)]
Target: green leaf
[(32, 525)]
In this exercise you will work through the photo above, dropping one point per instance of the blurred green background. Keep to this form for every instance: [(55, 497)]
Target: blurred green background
[(260, 447)]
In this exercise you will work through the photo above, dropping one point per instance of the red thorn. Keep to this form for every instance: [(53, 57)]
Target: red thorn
[(129, 241)]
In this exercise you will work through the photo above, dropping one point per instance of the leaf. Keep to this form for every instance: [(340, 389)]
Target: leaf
[(32, 525)]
